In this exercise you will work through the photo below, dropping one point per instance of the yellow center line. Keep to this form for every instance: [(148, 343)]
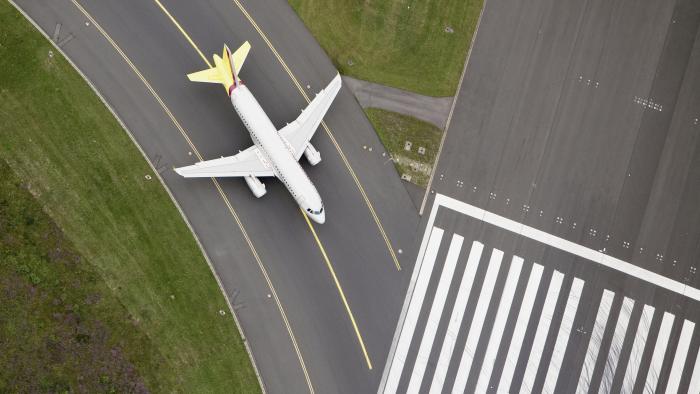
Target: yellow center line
[(231, 210), (328, 132), (184, 33), (311, 227), (340, 289)]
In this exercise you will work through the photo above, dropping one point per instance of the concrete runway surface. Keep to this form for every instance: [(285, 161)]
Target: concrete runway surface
[(568, 214)]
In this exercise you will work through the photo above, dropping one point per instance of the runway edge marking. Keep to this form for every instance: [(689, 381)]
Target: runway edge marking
[(230, 207), (308, 222), (452, 109), (328, 132), (409, 295)]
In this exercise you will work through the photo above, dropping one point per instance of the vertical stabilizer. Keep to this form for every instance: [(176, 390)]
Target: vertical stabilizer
[(229, 70)]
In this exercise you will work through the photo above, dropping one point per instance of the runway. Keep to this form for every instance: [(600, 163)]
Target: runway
[(560, 254), (318, 309), (500, 309)]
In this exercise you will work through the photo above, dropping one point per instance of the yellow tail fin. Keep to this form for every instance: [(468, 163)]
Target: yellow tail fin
[(210, 75), (226, 68)]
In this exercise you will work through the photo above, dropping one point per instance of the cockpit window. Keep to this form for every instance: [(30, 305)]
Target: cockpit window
[(311, 211)]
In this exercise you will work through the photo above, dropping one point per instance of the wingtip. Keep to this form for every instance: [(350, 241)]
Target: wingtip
[(337, 81)]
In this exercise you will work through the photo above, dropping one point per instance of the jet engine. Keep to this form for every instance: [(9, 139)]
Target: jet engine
[(312, 155), (257, 187)]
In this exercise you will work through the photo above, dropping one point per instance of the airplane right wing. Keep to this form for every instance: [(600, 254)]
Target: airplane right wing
[(299, 132), (245, 163)]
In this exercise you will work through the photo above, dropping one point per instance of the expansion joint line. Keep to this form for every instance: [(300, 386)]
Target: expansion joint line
[(233, 212)]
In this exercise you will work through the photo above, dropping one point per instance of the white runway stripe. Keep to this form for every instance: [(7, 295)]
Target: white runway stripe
[(657, 358), (563, 244), (694, 387), (618, 340), (594, 341), (674, 378), (640, 341), (499, 324), (431, 327), (520, 326), (413, 312), (550, 303), (550, 381), (482, 306), (460, 305)]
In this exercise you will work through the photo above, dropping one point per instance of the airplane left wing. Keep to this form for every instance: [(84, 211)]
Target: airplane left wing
[(245, 163), (299, 132)]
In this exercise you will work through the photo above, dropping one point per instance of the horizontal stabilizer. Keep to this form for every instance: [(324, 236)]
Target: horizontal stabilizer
[(211, 75)]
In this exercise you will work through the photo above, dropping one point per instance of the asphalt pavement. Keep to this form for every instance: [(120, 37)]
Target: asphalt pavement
[(373, 95), (290, 266)]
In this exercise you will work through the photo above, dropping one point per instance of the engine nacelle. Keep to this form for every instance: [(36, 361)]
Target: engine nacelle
[(312, 155), (257, 187)]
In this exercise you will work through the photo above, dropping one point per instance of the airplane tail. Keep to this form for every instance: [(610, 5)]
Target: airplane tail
[(226, 68)]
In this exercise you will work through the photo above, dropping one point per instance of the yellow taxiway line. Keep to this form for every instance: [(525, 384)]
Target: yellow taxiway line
[(216, 184), (308, 222), (184, 33), (340, 289), (328, 131)]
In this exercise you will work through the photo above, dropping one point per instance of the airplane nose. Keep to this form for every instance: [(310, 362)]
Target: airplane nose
[(320, 218)]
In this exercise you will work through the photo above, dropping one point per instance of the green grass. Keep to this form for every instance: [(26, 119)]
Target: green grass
[(58, 319), (69, 152), (400, 43), (394, 130)]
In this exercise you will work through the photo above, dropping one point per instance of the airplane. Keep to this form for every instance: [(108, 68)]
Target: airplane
[(275, 153)]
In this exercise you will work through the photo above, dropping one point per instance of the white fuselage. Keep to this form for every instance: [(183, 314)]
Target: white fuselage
[(278, 153)]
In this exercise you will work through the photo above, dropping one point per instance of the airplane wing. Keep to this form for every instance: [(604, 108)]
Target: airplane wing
[(247, 162), (299, 133)]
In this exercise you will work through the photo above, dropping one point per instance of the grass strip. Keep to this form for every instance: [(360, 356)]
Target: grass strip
[(395, 130), (61, 328), (415, 45), (71, 154)]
